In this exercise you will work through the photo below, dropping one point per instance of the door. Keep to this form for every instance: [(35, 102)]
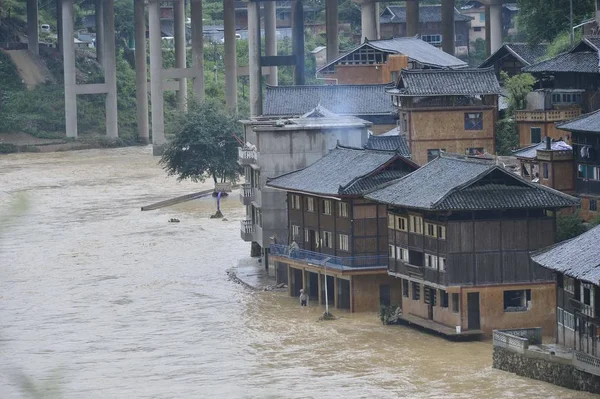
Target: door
[(312, 240), (384, 295), (473, 310)]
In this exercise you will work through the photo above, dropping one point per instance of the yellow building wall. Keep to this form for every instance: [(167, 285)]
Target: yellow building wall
[(365, 291), (548, 129), (445, 129)]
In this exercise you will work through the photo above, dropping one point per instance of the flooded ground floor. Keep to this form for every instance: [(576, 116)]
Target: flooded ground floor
[(101, 300)]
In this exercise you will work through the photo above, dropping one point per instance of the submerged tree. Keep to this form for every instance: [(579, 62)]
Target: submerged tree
[(204, 145)]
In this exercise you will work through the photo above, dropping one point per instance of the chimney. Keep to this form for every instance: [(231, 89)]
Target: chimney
[(548, 143)]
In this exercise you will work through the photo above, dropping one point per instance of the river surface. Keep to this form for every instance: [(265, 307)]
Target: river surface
[(101, 300)]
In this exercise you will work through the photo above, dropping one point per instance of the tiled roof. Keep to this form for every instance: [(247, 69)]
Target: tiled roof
[(431, 82), (526, 53), (458, 183), (418, 50), (530, 152), (414, 48), (431, 13), (581, 61), (364, 184), (593, 41), (389, 143), (585, 123), (578, 257), (339, 99), (341, 169)]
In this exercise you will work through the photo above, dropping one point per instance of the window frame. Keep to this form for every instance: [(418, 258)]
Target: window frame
[(405, 288), (537, 134), (296, 202), (414, 227), (473, 121), (401, 254), (295, 231), (310, 204), (444, 299), (327, 239), (545, 170), (455, 303), (416, 291), (326, 207), (525, 299), (344, 242), (401, 223), (343, 209), (594, 207)]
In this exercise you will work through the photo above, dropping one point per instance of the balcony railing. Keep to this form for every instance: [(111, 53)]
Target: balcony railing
[(247, 156), (553, 115), (346, 263), (247, 230), (247, 194)]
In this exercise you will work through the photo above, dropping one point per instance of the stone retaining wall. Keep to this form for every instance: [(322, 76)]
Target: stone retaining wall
[(554, 372)]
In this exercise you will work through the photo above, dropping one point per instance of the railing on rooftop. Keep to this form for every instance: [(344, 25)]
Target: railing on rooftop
[(551, 115), (587, 363), (334, 262), (247, 155)]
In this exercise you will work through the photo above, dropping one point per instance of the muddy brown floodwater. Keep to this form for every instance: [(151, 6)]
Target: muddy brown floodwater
[(100, 300)]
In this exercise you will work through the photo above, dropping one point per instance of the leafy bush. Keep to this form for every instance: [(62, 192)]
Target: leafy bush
[(569, 226), (507, 136), (387, 314)]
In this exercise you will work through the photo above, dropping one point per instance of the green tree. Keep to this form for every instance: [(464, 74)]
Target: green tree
[(543, 20), (507, 137), (569, 226), (204, 145), (479, 53), (518, 87)]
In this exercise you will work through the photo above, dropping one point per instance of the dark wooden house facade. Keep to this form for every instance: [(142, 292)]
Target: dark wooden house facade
[(460, 232), (576, 266), (336, 237), (585, 138)]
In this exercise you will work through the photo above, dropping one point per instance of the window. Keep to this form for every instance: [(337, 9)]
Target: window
[(442, 264), (535, 134), (443, 298), (405, 288), (402, 254), (569, 284), (581, 171), (295, 232), (326, 207), (594, 205), (455, 304), (474, 151), (594, 172), (430, 295), (430, 230), (327, 239), (432, 39), (416, 224), (565, 318), (310, 204), (391, 251), (477, 29), (517, 300), (481, 17), (416, 291), (295, 201), (391, 220), (343, 242), (343, 209), (401, 223), (441, 232), (587, 296), (431, 261), (474, 121), (306, 235), (546, 171), (433, 154)]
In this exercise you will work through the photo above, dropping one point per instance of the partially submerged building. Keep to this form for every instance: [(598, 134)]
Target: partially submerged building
[(275, 147), (459, 235), (340, 238), (447, 110), (368, 102), (380, 61), (576, 266)]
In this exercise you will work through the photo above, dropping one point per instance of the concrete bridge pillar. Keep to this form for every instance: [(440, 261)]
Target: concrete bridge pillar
[(448, 43), (298, 40), (271, 38), (368, 20), (99, 22), (332, 29), (231, 99), (197, 48), (141, 72), (33, 41), (180, 52), (412, 18), (110, 69), (254, 63), (494, 11), (68, 47), (156, 92)]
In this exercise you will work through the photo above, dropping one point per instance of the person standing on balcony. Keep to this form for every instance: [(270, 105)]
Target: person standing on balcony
[(303, 298)]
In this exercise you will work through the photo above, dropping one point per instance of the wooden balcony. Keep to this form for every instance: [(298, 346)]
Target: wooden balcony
[(551, 115), (550, 155)]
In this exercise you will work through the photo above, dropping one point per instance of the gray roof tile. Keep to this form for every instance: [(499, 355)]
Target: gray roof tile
[(446, 82), (578, 257), (427, 13), (389, 143), (341, 169), (530, 152), (589, 123), (457, 183), (528, 54), (581, 61), (339, 99)]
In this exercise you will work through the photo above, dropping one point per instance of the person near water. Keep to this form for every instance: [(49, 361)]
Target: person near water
[(303, 298)]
